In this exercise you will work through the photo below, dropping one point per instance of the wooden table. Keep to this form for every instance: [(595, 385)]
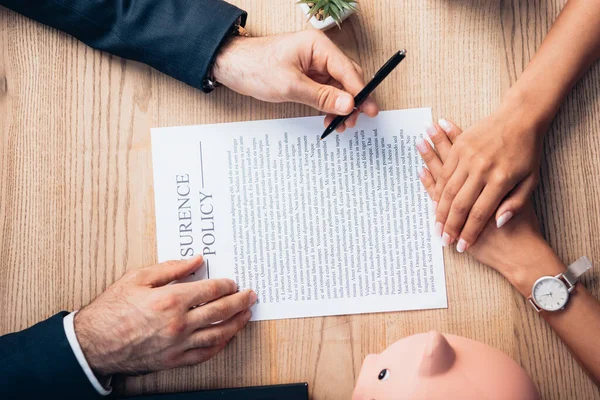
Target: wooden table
[(76, 194)]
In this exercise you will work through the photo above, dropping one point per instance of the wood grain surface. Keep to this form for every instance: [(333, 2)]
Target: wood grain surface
[(76, 187)]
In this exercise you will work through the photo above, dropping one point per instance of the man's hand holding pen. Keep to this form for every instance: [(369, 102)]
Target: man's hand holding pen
[(304, 67)]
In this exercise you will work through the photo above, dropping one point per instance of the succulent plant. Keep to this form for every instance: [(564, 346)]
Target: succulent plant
[(321, 9)]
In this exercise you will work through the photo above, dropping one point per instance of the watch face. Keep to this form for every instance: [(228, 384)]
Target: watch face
[(550, 293)]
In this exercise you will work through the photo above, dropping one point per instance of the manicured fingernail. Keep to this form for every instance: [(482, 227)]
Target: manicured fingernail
[(435, 203), (461, 246), (420, 143), (446, 239), (343, 104), (438, 228), (253, 297), (421, 173), (445, 125), (504, 218), (430, 129)]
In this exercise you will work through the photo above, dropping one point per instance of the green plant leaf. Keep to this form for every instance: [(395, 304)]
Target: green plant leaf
[(331, 8), (336, 4), (326, 10), (339, 4), (336, 13)]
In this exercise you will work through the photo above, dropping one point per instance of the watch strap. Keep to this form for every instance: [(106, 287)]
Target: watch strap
[(534, 304), (575, 270)]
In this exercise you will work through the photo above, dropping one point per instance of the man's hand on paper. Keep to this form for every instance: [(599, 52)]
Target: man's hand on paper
[(511, 250), (304, 67), (142, 324), (491, 170)]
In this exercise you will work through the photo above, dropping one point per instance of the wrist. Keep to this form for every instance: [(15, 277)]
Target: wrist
[(225, 64), (525, 105), (540, 260), (91, 347), (215, 74)]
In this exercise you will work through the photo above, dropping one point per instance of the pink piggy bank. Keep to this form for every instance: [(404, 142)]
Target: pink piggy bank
[(438, 366)]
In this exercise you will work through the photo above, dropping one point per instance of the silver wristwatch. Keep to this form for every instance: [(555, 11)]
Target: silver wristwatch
[(551, 293)]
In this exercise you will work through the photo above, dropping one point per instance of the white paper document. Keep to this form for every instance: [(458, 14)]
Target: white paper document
[(339, 226)]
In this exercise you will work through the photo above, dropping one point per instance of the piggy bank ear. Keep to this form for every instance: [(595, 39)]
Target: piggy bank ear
[(438, 356)]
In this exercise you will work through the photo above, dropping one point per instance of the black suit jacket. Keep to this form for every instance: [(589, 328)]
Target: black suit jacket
[(38, 363), (177, 37)]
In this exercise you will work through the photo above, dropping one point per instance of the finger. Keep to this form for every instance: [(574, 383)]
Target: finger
[(431, 158), (451, 159), (369, 107), (200, 355), (204, 291), (349, 74), (351, 121), (357, 67), (342, 68), (480, 214), (221, 309), (460, 207), (450, 128), (167, 272), (330, 82), (516, 201), (329, 118), (454, 186), (427, 180), (440, 140), (325, 98), (219, 333), (447, 172)]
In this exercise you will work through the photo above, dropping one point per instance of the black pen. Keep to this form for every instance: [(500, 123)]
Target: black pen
[(362, 96)]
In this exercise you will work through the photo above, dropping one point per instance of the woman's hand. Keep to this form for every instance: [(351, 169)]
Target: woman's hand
[(519, 252), (513, 250), (492, 168), (304, 67)]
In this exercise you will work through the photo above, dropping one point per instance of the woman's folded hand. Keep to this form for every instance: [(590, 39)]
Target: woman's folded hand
[(512, 250), (492, 168)]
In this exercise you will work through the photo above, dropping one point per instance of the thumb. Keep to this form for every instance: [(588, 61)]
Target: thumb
[(516, 201), (169, 271), (326, 98)]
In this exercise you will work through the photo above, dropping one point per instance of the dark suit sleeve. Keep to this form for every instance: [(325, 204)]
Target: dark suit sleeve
[(177, 37), (39, 363)]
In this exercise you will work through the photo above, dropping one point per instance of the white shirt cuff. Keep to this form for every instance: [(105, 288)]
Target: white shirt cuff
[(68, 324)]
